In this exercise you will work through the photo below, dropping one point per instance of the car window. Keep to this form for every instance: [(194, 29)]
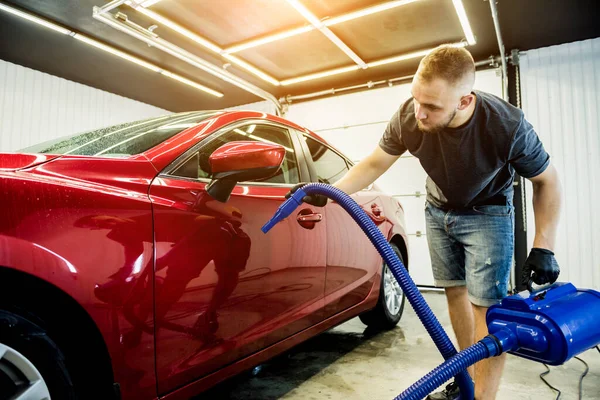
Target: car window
[(122, 140), (287, 174), (330, 166)]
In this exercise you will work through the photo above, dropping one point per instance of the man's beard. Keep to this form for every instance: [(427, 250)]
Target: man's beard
[(437, 128)]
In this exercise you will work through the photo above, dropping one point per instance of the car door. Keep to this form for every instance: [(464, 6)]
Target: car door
[(352, 261), (224, 289)]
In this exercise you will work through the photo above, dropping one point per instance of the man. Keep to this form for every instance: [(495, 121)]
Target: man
[(470, 143)]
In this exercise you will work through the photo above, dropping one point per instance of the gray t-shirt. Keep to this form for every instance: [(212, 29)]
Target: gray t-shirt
[(472, 163)]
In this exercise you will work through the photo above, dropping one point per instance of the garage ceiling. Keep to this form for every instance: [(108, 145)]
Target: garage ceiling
[(411, 26)]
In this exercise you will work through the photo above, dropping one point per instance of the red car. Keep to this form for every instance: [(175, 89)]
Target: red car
[(120, 275)]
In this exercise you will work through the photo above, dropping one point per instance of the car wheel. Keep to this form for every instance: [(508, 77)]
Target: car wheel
[(31, 364), (390, 305)]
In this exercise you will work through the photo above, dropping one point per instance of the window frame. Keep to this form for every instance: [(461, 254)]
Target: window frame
[(314, 177), (303, 173)]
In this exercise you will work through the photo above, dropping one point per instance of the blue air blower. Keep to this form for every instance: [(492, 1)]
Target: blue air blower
[(549, 326)]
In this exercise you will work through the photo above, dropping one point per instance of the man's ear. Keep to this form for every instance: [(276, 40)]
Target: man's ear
[(466, 101)]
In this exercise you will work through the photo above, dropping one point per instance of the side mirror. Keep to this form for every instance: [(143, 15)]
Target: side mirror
[(242, 161)]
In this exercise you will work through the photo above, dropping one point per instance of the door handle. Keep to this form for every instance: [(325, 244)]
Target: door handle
[(307, 218), (310, 218), (375, 209)]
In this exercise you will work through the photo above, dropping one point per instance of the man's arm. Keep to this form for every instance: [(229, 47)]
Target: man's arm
[(366, 171), (547, 204)]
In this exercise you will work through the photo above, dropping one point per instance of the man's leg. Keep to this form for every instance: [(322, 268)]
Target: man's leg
[(489, 371), (448, 264), (461, 316), (487, 234)]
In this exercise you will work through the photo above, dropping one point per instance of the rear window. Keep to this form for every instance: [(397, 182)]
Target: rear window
[(122, 140)]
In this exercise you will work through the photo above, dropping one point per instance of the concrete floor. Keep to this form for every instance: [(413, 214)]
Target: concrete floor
[(349, 363)]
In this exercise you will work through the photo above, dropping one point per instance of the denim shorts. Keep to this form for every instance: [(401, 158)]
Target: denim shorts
[(472, 247)]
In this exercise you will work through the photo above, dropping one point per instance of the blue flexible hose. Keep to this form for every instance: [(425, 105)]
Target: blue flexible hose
[(445, 371), (432, 325)]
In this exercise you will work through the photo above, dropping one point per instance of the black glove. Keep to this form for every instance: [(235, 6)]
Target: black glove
[(543, 265), (316, 200)]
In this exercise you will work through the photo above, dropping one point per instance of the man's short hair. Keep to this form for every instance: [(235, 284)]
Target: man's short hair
[(453, 64)]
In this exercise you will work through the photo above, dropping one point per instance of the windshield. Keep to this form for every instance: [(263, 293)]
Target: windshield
[(122, 140)]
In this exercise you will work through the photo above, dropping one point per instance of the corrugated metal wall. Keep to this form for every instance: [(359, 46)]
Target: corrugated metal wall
[(35, 107), (561, 97)]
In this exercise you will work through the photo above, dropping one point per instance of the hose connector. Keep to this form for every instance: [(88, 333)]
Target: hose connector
[(285, 209)]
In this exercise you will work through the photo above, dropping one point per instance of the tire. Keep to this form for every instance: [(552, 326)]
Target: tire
[(31, 360), (387, 312)]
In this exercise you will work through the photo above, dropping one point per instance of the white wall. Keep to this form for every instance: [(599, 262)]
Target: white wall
[(35, 107), (354, 124), (260, 106), (560, 88)]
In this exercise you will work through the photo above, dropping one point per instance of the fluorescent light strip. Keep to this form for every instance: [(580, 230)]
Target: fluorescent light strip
[(366, 11), (149, 3), (179, 29), (116, 52), (464, 21), (319, 75), (37, 20), (251, 69), (355, 67), (344, 47), (327, 32), (145, 64), (399, 58), (268, 39), (108, 49), (191, 83), (206, 43), (316, 22), (328, 22)]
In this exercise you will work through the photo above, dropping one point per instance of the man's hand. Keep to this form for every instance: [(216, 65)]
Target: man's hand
[(543, 265), (316, 200)]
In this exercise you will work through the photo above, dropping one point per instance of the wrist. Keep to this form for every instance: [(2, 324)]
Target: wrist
[(543, 243)]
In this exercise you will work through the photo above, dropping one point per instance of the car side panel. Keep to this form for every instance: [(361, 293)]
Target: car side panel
[(94, 242), (353, 263), (225, 290)]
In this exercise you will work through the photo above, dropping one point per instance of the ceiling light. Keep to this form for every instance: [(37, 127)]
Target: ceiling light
[(251, 128), (32, 18), (209, 45), (399, 58), (144, 64), (108, 49), (367, 11), (327, 32), (178, 28), (464, 21), (116, 52), (409, 56), (191, 83), (251, 69), (306, 13), (149, 3), (186, 56), (268, 39), (320, 75), (328, 22), (355, 67)]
